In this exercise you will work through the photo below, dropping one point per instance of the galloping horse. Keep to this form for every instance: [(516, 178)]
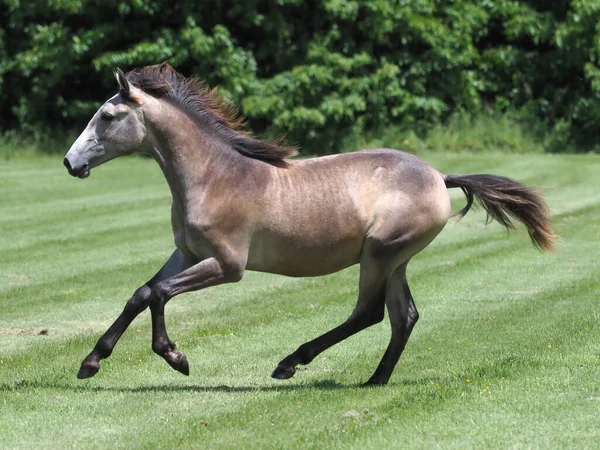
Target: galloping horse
[(239, 203)]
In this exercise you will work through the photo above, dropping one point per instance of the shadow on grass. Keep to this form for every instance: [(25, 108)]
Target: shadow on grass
[(325, 385), (496, 370), (437, 389)]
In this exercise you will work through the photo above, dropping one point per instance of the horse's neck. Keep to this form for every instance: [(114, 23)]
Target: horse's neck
[(191, 159)]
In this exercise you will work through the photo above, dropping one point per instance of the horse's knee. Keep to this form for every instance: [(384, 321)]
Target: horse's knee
[(140, 300)]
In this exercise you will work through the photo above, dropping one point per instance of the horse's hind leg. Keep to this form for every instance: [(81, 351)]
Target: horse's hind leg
[(369, 310), (403, 316)]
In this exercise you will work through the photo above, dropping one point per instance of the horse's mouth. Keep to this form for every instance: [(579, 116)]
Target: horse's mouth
[(84, 173), (80, 172)]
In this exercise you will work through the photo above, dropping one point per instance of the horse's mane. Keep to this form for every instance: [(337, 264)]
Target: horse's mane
[(208, 107)]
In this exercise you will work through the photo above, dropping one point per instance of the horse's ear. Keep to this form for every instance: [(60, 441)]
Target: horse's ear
[(124, 84)]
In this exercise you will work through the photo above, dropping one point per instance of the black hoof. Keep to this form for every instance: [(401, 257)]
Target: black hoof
[(180, 363), (88, 369), (283, 373)]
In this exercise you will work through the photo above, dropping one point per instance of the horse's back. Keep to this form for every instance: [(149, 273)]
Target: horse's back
[(379, 180)]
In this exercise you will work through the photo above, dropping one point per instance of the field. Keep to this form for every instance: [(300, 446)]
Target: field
[(506, 354)]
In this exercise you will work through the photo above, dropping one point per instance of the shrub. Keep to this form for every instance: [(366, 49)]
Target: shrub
[(314, 70)]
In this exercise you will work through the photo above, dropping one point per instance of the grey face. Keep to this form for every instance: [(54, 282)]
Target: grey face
[(116, 129)]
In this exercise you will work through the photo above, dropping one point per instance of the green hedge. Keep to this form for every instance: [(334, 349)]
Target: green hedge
[(313, 69)]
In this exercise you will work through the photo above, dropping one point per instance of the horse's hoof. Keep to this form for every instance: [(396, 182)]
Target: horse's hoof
[(180, 363), (88, 369), (283, 373)]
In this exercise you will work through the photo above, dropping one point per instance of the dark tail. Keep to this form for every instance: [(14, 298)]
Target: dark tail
[(504, 199)]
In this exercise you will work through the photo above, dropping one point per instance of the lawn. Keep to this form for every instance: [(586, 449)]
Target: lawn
[(506, 354)]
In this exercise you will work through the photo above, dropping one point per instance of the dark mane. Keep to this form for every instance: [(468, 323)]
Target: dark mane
[(205, 104)]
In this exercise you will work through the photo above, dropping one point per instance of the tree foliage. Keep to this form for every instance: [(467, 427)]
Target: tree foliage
[(312, 69)]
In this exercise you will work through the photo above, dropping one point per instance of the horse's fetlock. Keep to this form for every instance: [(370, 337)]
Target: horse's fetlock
[(160, 347), (305, 354), (103, 349)]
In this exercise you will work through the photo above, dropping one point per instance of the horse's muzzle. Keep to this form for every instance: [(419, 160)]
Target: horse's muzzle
[(79, 172)]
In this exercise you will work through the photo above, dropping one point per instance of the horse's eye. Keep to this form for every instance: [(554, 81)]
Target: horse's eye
[(106, 116)]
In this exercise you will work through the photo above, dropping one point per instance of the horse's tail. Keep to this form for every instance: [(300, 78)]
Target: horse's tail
[(504, 199)]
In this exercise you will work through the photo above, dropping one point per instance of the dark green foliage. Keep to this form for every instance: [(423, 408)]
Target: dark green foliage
[(314, 70)]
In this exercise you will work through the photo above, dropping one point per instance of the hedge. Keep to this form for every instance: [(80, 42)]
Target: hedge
[(313, 69)]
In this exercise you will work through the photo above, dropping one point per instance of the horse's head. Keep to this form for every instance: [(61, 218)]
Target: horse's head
[(116, 129)]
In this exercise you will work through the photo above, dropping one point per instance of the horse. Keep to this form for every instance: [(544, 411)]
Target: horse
[(241, 203)]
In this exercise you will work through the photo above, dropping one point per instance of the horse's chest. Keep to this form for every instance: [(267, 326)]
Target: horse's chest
[(191, 234), (198, 241)]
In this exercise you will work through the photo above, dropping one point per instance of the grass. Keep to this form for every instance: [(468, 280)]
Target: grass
[(505, 354)]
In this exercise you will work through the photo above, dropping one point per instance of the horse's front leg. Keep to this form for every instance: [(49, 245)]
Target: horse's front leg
[(208, 272), (142, 298)]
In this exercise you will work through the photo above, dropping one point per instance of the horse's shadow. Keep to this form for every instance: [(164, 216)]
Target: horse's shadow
[(324, 385)]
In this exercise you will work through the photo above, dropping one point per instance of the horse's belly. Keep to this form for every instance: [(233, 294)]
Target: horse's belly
[(302, 258)]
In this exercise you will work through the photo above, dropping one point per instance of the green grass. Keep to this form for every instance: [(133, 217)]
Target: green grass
[(506, 354)]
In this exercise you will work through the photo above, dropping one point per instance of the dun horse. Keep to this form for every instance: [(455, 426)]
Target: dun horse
[(239, 203)]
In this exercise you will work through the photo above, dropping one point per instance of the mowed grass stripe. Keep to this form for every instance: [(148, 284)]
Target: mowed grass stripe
[(27, 272), (35, 196), (257, 416), (62, 212), (293, 399), (81, 240), (324, 419), (489, 310)]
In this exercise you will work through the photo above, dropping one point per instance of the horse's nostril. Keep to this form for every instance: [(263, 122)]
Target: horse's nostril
[(67, 164)]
